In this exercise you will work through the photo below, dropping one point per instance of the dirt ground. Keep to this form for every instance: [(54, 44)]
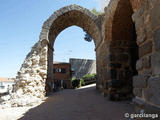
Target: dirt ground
[(80, 104)]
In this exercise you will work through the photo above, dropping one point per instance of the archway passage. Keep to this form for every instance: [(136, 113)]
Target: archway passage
[(124, 51), (74, 56), (61, 19)]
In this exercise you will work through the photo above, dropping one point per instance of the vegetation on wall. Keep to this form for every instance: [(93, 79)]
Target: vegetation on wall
[(96, 12), (85, 80), (89, 76)]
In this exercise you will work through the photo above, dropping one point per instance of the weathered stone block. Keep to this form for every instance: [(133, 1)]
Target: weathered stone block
[(145, 94), (139, 64), (122, 57), (146, 62), (137, 92), (152, 109), (155, 16), (147, 71), (121, 75), (157, 40), (141, 36), (105, 59), (111, 74), (139, 22), (128, 74), (154, 90), (138, 102), (140, 81), (143, 105), (115, 83), (155, 63), (117, 50), (111, 57), (139, 11), (145, 48), (115, 65)]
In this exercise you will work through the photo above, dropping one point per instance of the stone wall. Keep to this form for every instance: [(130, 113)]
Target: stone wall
[(147, 83), (129, 53), (30, 80), (116, 50), (82, 67)]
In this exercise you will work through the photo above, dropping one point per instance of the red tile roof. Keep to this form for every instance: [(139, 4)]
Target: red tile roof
[(2, 79)]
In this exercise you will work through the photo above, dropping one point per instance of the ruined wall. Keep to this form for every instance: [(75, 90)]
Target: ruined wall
[(147, 83), (82, 67), (116, 49), (30, 79), (119, 53)]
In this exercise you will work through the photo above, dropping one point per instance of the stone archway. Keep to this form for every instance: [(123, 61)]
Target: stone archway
[(63, 18), (124, 49), (120, 38), (36, 72)]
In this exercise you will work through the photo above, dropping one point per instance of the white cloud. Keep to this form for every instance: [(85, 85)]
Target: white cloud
[(102, 4)]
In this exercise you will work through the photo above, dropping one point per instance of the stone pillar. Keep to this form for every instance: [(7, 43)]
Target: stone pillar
[(147, 83), (49, 71)]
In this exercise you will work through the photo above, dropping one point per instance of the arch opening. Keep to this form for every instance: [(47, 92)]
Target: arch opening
[(124, 50), (66, 17), (73, 58)]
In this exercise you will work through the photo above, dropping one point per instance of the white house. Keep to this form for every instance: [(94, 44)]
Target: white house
[(6, 85)]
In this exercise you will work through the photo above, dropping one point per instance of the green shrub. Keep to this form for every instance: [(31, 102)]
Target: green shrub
[(85, 80), (96, 12), (82, 82), (75, 83), (89, 79), (89, 76), (73, 78)]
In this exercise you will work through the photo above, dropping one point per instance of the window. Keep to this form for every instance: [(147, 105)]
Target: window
[(63, 70), (59, 70)]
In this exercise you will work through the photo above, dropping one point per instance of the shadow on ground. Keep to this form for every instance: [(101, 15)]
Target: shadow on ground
[(81, 104)]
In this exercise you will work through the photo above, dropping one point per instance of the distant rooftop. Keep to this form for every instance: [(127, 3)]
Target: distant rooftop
[(55, 62), (2, 79), (81, 59)]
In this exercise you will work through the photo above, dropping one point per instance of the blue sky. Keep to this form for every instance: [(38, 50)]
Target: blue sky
[(70, 43), (20, 25)]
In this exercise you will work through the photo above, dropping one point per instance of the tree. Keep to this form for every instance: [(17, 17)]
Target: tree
[(96, 12), (87, 37)]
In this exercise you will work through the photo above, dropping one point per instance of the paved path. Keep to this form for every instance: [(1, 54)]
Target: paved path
[(81, 104)]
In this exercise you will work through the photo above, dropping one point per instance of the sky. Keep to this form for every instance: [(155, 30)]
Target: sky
[(70, 43), (20, 26)]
